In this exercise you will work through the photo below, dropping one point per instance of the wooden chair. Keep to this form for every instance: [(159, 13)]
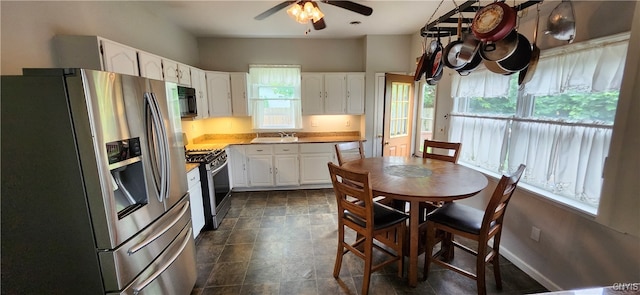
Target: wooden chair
[(348, 151), (430, 145), (429, 152), (371, 220), (455, 219)]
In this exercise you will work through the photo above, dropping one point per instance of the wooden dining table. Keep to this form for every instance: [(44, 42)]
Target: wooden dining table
[(416, 180)]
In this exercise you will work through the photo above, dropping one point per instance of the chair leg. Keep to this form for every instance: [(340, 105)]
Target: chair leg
[(480, 269), (400, 233), (496, 261), (428, 251), (368, 262), (339, 252)]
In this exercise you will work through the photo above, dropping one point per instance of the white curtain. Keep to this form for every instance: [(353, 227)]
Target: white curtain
[(482, 139), (589, 70), (271, 109), (480, 83), (567, 160)]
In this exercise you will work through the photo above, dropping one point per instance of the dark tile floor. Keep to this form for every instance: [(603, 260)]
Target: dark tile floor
[(284, 242)]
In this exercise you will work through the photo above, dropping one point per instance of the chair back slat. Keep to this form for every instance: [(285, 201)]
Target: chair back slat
[(431, 147), (353, 184), (500, 199), (349, 151)]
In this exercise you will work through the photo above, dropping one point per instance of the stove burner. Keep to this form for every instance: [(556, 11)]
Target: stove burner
[(203, 156)]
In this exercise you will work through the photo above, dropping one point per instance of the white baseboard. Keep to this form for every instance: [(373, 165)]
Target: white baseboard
[(532, 272)]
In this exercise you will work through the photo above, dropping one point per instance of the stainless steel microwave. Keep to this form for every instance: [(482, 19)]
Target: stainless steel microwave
[(188, 102)]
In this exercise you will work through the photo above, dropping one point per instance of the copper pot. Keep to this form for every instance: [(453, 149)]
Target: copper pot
[(501, 49)]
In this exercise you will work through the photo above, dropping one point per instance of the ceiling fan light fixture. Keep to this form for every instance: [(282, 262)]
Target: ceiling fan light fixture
[(306, 13)]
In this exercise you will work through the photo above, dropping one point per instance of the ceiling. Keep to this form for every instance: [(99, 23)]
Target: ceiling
[(235, 19)]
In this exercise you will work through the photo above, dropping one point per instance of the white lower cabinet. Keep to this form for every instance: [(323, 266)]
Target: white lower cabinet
[(238, 166), (195, 198), (276, 165), (313, 162), (272, 165)]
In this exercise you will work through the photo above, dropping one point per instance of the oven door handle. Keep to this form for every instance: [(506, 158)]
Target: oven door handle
[(214, 172), (157, 234)]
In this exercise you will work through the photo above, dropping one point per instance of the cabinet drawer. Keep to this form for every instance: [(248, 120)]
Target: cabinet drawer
[(285, 149), (317, 148), (259, 149), (193, 177)]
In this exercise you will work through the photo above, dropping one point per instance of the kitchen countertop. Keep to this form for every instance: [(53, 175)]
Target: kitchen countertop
[(191, 166), (221, 143)]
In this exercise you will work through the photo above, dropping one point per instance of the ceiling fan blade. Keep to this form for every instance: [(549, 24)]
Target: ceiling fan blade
[(350, 5), (319, 25), (273, 10)]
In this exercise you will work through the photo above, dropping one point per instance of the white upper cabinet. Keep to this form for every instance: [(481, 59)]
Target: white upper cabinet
[(150, 65), (355, 93), (332, 93), (199, 83), (176, 72), (335, 93), (239, 94), (119, 58), (312, 93), (95, 53), (219, 93)]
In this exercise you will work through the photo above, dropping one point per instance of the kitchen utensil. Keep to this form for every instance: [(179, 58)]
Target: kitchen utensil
[(561, 24), (421, 61), (469, 67), (469, 48), (525, 75), (493, 22), (501, 49), (435, 59), (519, 59), (451, 53)]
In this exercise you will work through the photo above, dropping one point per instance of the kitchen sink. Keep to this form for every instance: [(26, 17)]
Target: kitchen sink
[(274, 139)]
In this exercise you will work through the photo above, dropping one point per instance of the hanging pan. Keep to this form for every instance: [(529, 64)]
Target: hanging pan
[(493, 22), (520, 57), (451, 53), (421, 60), (434, 65), (525, 75)]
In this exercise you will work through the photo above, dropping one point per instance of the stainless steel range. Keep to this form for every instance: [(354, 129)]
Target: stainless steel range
[(214, 179)]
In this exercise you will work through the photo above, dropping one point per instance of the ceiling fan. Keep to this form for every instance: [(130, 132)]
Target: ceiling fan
[(311, 11)]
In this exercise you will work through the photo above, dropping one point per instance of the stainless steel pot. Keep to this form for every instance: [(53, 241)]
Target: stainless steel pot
[(561, 24)]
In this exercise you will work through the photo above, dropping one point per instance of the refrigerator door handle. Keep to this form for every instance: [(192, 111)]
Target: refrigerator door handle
[(165, 142), (160, 232), (157, 144), (137, 289)]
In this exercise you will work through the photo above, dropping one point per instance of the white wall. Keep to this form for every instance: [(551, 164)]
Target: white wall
[(27, 28), (574, 250), (314, 55)]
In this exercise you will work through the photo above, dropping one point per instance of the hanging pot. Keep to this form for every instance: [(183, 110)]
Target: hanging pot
[(451, 53), (561, 24), (520, 58), (469, 67), (494, 67), (493, 22), (469, 48), (435, 59), (501, 49), (525, 75)]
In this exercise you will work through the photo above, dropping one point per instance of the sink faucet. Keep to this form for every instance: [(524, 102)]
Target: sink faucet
[(283, 134)]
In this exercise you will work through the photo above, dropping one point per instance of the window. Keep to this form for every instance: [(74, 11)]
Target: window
[(559, 124), (427, 112), (274, 95), (399, 123)]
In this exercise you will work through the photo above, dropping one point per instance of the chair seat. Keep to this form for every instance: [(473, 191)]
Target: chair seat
[(458, 216), (383, 216)]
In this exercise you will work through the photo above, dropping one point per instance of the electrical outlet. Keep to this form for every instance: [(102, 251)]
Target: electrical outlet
[(348, 123), (535, 234)]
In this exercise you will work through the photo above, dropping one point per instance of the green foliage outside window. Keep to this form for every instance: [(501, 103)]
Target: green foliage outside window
[(575, 106)]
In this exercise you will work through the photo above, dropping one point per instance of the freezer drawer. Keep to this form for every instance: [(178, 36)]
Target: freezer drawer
[(121, 265), (173, 272)]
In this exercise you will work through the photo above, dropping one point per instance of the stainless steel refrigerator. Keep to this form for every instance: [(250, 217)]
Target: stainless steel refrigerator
[(94, 190)]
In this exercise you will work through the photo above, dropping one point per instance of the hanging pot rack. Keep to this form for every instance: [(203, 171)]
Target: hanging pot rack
[(446, 25)]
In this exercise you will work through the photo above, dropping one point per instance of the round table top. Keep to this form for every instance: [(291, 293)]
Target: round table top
[(410, 179)]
